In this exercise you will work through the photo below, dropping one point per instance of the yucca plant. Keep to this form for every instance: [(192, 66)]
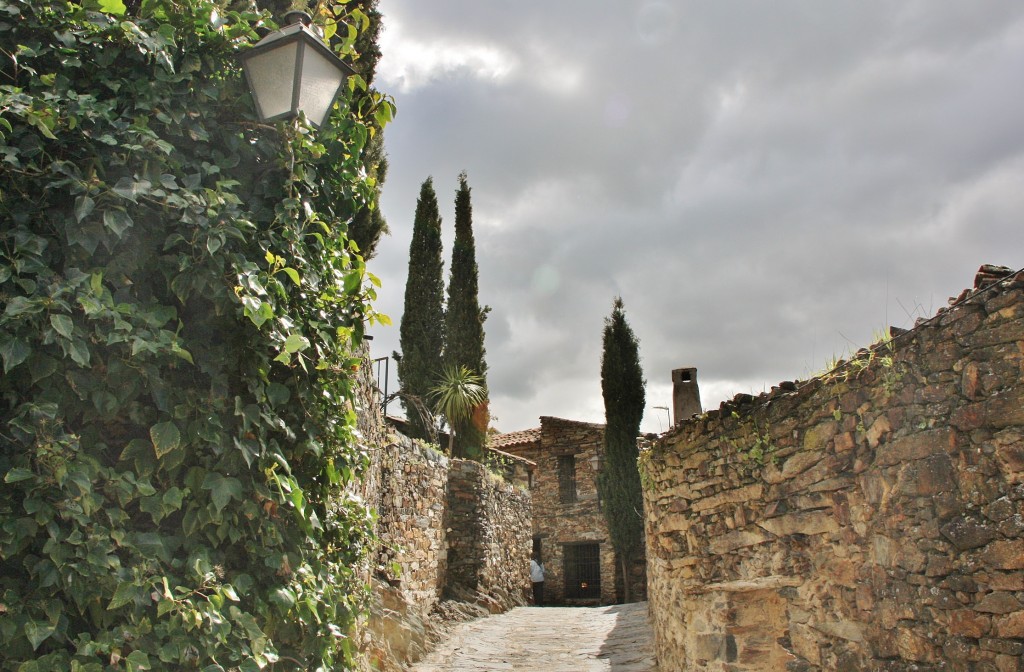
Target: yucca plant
[(458, 392)]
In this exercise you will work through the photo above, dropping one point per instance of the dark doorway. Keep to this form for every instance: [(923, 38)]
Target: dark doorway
[(537, 549), (582, 571)]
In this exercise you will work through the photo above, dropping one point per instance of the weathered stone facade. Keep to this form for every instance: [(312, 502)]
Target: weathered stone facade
[(447, 529), (568, 524), (411, 520), (489, 536), (868, 519)]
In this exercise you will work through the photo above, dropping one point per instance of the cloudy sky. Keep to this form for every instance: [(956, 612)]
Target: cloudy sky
[(765, 184)]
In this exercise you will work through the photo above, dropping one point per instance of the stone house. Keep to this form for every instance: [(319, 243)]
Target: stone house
[(569, 530)]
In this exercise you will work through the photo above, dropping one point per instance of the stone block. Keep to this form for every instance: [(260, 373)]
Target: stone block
[(800, 462), (1008, 446), (916, 446), (738, 495), (1004, 646), (848, 630), (913, 646), (998, 411), (816, 438), (1006, 581), (731, 541), (878, 429), (968, 623), (810, 523), (926, 477), (804, 641), (966, 533), (844, 442), (1004, 555), (1011, 625), (999, 602)]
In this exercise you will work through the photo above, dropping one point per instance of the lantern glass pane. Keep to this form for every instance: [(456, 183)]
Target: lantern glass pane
[(321, 79), (272, 75)]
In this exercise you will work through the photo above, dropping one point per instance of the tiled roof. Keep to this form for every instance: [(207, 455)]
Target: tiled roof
[(502, 441)]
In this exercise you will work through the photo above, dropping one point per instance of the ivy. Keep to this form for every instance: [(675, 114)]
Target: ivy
[(180, 309)]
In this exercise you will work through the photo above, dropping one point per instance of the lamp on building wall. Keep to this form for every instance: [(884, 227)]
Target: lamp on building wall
[(292, 71)]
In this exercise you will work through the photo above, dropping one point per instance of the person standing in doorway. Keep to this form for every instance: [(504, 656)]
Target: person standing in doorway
[(537, 578)]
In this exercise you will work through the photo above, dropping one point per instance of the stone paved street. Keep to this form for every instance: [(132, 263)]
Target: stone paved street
[(549, 639)]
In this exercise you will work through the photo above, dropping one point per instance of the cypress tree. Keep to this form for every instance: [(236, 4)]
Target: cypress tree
[(622, 386), (422, 328), (464, 319)]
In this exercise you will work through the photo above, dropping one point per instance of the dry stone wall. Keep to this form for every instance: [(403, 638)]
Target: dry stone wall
[(411, 525), (489, 542), (431, 509), (869, 519)]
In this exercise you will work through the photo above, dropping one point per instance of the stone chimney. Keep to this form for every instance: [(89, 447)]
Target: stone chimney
[(685, 394)]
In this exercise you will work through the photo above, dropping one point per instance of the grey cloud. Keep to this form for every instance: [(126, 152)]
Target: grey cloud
[(766, 184)]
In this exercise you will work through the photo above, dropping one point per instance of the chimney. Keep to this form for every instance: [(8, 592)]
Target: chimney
[(685, 394)]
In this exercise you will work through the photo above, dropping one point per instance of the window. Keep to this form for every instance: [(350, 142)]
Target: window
[(567, 478), (582, 571)]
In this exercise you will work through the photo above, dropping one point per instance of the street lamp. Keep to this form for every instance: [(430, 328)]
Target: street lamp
[(292, 71)]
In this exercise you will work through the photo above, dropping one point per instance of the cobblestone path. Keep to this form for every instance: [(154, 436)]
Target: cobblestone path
[(549, 639)]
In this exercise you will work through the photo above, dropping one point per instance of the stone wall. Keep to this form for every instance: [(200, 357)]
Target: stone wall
[(430, 509), (489, 541), (871, 518), (411, 525)]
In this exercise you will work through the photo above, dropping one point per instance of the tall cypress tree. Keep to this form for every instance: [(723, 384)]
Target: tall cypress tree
[(622, 386), (422, 329), (464, 319)]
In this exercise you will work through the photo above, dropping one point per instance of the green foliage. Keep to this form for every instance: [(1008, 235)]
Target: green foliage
[(422, 328), (464, 318), (180, 309), (758, 449), (368, 223), (458, 392), (623, 388)]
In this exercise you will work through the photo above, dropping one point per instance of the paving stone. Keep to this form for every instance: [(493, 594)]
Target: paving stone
[(549, 639)]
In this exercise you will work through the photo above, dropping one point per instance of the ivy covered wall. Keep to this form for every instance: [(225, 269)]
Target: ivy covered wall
[(179, 306)]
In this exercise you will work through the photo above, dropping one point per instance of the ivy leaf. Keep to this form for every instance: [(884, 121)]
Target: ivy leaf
[(117, 220), (294, 275), (83, 206), (129, 189), (14, 351), (138, 660), (123, 594), (79, 352), (165, 437), (278, 394), (18, 474), (296, 343), (62, 324), (283, 597), (222, 489), (37, 632), (113, 7)]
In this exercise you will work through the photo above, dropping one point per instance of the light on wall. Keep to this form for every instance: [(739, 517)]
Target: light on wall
[(292, 71)]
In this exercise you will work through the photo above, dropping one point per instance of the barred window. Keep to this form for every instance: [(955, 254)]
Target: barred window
[(567, 478), (582, 571)]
